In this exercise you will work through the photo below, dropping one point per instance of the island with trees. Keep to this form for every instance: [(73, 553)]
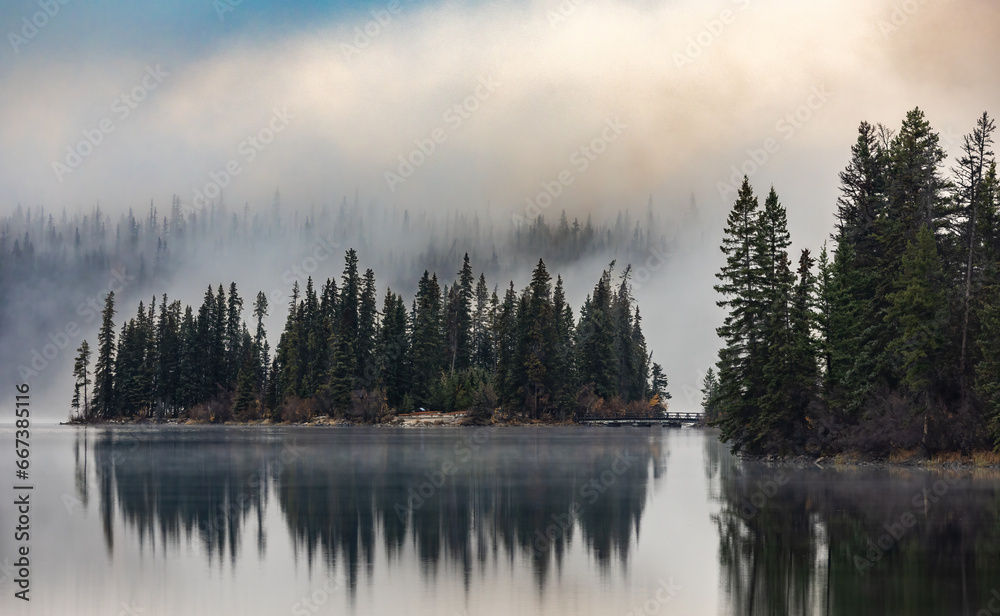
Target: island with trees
[(498, 355), (886, 346)]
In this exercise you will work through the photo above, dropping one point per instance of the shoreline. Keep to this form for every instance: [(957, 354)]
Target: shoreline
[(940, 461), (320, 422)]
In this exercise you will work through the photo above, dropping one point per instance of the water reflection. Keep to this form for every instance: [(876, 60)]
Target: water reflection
[(446, 498), (855, 541), (207, 485)]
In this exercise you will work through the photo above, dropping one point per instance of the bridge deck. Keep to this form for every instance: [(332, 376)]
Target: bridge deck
[(672, 418)]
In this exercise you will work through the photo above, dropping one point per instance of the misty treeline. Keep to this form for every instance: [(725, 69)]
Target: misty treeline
[(56, 267), (890, 343), (456, 347)]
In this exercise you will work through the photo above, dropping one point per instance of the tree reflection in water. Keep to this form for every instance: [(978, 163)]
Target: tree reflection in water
[(462, 498), (854, 541)]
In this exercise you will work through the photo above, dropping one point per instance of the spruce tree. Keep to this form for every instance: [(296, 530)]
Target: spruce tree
[(971, 196), (740, 358), (464, 321), (709, 396), (81, 367), (658, 383), (260, 345), (505, 335), (428, 338), (104, 375), (392, 354), (483, 355), (596, 340), (537, 348), (367, 332), (233, 335), (919, 308), (564, 357)]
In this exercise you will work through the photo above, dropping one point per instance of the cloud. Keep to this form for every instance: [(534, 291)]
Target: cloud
[(564, 69)]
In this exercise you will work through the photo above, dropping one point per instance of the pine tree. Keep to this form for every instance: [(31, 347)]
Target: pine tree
[(312, 342), (233, 335), (483, 355), (860, 278), (741, 357), (81, 373), (640, 381), (428, 338), (218, 362), (104, 375), (245, 402), (773, 424), (537, 344), (919, 308), (393, 350), (287, 368), (564, 356), (346, 346), (625, 349), (970, 196), (659, 383), (260, 345), (463, 321), (596, 340), (367, 332), (709, 396), (189, 377)]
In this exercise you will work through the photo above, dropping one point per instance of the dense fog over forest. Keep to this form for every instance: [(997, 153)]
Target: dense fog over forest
[(217, 142)]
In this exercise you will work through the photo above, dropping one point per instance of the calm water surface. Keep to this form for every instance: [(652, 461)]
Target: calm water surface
[(449, 521)]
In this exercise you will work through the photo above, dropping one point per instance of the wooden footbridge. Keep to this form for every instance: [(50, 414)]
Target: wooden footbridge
[(665, 419)]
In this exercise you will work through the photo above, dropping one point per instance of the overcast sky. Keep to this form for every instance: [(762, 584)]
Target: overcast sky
[(691, 86)]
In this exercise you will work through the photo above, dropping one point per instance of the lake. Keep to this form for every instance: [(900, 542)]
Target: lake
[(455, 521)]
